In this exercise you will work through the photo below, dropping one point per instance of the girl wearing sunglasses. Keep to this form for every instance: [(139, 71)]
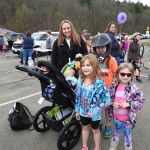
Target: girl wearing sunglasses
[(126, 99)]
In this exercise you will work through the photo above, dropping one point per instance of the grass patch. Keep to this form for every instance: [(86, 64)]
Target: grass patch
[(146, 43)]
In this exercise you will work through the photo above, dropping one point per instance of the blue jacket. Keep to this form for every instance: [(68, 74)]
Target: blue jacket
[(115, 49), (1, 41), (28, 42), (98, 100)]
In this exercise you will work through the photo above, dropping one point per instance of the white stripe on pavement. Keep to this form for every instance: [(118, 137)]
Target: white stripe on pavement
[(19, 99), (144, 76)]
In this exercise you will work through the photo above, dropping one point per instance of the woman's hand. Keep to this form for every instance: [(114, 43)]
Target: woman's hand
[(77, 116), (78, 55)]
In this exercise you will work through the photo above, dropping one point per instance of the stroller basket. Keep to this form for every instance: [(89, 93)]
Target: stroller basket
[(50, 116)]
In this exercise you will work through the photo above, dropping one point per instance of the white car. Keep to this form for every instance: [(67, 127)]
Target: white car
[(16, 47), (40, 40)]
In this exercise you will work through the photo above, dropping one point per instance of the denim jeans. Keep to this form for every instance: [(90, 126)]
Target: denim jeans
[(27, 52)]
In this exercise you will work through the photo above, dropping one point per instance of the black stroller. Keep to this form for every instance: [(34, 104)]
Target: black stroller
[(63, 97)]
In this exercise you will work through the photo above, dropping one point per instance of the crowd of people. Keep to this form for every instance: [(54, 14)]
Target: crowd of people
[(104, 82)]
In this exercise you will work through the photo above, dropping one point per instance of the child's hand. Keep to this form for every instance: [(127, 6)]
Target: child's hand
[(116, 105), (77, 116), (124, 105), (90, 114)]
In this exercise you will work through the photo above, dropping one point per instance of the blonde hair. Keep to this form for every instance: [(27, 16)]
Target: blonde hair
[(124, 66), (95, 65), (74, 36)]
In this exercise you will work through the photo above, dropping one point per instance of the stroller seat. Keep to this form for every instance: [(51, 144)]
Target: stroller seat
[(63, 94)]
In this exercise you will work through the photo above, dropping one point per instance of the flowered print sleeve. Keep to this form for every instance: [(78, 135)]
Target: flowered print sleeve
[(137, 100)]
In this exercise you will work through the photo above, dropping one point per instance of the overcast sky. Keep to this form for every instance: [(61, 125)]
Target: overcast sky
[(142, 1)]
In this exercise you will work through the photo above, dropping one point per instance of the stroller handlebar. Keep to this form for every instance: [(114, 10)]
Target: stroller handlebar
[(39, 75), (34, 72), (21, 68)]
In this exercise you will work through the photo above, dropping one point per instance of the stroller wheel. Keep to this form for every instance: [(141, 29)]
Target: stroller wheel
[(39, 122), (69, 135)]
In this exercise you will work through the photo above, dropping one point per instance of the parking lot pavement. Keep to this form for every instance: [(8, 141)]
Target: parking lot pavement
[(18, 86)]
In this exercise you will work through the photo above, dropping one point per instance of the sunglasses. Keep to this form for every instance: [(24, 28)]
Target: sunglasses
[(125, 74)]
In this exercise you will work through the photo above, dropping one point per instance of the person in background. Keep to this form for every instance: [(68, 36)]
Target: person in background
[(91, 98), (102, 46), (134, 55), (50, 40), (5, 44), (84, 35), (126, 43), (68, 46), (126, 100), (115, 50), (18, 38), (1, 43), (27, 46)]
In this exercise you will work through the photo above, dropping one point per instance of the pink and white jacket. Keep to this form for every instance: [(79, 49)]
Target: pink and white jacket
[(134, 97)]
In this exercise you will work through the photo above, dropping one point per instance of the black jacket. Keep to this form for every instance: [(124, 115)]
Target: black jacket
[(134, 51), (61, 54)]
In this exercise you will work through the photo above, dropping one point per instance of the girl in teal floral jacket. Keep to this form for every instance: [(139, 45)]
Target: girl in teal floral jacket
[(91, 98)]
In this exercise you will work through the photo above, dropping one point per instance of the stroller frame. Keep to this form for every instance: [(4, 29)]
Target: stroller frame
[(63, 97)]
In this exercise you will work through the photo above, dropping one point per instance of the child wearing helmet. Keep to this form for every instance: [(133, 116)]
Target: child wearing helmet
[(102, 46), (134, 55)]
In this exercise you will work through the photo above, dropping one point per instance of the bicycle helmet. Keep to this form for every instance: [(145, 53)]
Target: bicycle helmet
[(102, 40)]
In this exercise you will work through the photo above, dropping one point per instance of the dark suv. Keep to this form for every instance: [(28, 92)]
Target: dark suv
[(11, 37)]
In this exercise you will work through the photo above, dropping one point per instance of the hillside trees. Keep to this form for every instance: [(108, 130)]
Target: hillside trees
[(93, 15)]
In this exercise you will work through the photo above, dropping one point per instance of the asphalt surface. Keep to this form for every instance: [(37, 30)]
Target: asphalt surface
[(18, 86)]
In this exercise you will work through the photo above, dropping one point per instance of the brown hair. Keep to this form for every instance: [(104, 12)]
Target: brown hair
[(28, 33), (95, 65), (108, 27), (74, 36), (49, 32), (124, 66)]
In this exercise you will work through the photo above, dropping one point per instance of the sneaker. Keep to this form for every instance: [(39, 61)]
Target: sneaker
[(107, 132), (139, 80), (128, 148), (113, 145), (22, 66), (84, 148), (100, 126)]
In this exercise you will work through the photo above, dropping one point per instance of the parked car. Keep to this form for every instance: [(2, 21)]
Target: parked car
[(144, 36), (40, 40), (148, 36), (11, 37), (16, 47)]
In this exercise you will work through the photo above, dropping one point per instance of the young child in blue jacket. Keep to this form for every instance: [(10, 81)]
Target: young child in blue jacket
[(91, 98)]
